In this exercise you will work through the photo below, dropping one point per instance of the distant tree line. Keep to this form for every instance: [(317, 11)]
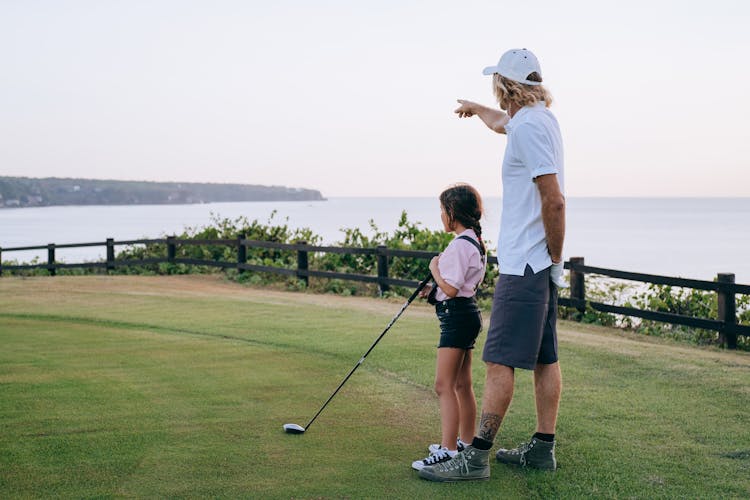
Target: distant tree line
[(29, 192)]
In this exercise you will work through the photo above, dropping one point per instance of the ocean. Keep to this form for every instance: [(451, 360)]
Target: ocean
[(688, 237)]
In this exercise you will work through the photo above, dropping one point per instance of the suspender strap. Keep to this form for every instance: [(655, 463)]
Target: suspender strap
[(481, 252), (431, 299), (473, 242)]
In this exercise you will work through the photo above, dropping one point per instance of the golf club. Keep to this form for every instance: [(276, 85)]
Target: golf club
[(298, 429)]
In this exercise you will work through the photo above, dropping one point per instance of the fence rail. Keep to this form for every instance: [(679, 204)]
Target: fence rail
[(724, 286)]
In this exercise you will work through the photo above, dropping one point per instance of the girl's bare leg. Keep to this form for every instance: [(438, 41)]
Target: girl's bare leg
[(449, 361), (467, 401)]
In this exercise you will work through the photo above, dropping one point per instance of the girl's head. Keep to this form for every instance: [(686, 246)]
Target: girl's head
[(462, 204)]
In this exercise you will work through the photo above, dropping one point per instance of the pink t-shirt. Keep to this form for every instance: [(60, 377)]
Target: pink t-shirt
[(461, 266)]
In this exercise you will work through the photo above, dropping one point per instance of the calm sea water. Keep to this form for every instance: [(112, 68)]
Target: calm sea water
[(692, 238)]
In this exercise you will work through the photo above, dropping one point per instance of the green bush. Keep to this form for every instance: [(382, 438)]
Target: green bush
[(599, 289), (25, 272), (659, 298), (677, 300), (223, 228), (408, 235)]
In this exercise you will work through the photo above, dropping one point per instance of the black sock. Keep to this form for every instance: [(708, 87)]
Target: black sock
[(548, 438), (481, 444)]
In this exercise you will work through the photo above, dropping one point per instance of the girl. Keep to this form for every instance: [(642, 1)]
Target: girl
[(457, 273)]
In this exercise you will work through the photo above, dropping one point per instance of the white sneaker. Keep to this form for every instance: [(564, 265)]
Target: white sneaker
[(440, 455), (460, 445)]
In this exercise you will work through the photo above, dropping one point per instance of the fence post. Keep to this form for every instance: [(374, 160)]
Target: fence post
[(302, 264), (382, 269), (51, 259), (578, 285), (1, 262), (241, 252), (171, 249), (727, 309), (110, 254)]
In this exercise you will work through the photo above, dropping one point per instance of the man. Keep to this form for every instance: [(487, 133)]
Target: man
[(522, 331)]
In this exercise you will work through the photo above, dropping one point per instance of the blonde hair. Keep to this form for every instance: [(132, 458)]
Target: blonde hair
[(508, 91)]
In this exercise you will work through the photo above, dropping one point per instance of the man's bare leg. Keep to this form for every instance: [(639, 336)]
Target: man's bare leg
[(539, 453), (547, 390), (498, 393)]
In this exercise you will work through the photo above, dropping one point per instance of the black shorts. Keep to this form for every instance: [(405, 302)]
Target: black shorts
[(460, 322), (523, 325)]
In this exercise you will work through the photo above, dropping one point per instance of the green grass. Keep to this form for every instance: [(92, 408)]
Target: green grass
[(178, 387)]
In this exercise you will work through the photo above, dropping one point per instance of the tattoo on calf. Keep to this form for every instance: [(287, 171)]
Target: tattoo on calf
[(489, 425)]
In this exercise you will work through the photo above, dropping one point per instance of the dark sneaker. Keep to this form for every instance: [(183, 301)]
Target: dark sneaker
[(435, 447), (470, 464), (536, 453), (436, 457)]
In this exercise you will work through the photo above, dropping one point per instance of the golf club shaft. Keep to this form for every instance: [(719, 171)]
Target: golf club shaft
[(362, 359)]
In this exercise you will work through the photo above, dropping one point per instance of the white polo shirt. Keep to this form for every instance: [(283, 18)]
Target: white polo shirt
[(534, 148)]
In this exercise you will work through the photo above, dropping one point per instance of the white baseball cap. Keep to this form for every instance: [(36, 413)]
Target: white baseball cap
[(516, 65)]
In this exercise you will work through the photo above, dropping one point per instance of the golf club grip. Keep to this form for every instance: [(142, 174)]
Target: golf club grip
[(421, 285), (414, 294)]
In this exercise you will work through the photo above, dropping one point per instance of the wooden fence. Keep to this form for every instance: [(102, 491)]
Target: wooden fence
[(724, 286)]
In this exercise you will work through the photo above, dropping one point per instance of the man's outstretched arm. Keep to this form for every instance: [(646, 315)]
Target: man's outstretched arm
[(495, 119)]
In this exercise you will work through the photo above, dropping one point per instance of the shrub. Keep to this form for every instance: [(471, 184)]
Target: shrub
[(659, 298), (223, 228)]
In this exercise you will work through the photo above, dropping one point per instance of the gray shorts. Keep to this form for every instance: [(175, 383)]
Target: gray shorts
[(523, 325)]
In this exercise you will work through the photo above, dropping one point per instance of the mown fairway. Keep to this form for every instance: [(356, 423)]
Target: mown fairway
[(179, 386)]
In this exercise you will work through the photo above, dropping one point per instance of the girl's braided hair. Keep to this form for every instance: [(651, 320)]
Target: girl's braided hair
[(463, 204)]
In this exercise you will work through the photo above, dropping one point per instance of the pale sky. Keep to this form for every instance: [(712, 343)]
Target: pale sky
[(357, 98)]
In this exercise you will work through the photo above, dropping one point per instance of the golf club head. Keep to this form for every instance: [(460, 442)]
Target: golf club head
[(293, 429)]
